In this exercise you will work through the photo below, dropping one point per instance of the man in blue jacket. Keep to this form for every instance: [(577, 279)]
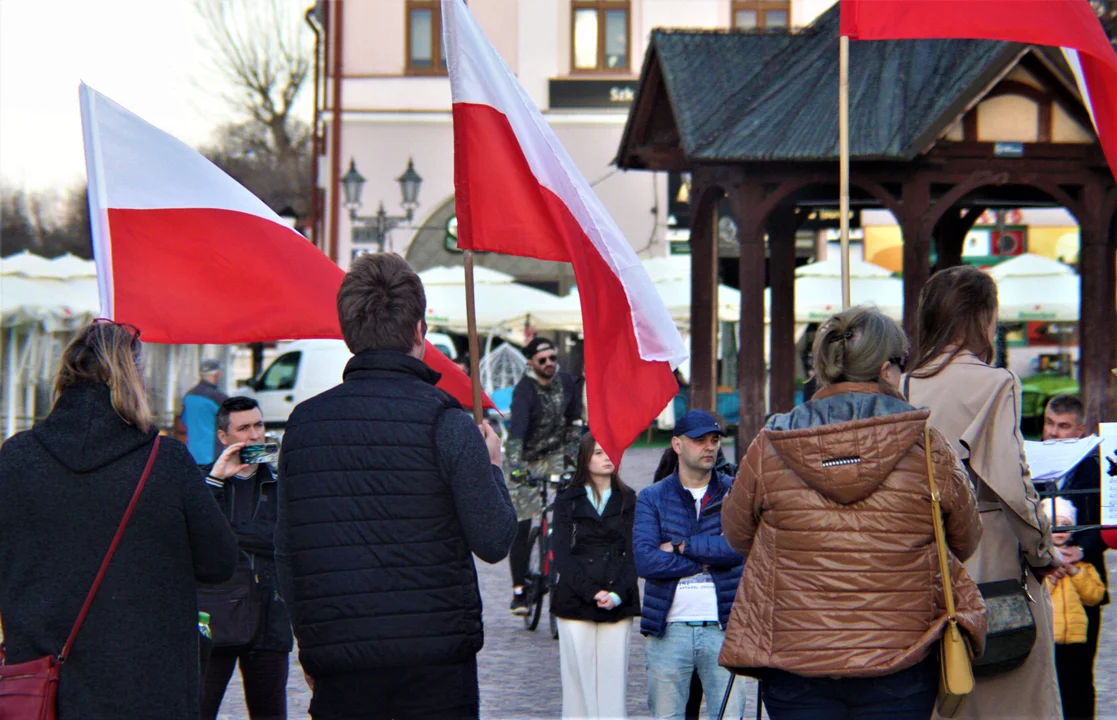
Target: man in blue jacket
[(691, 572), (199, 414)]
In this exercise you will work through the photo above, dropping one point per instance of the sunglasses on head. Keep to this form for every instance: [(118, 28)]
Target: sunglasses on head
[(127, 327)]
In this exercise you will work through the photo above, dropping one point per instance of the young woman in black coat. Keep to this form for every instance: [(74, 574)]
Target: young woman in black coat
[(595, 596), (64, 486)]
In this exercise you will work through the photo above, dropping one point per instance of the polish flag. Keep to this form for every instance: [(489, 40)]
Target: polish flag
[(1070, 25), (519, 193), (188, 255)]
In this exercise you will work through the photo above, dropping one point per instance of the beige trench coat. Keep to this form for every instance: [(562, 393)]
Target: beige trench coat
[(977, 407)]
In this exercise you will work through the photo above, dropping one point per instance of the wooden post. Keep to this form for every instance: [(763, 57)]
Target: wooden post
[(843, 163), (474, 346), (703, 296), (916, 199), (781, 330), (1097, 330), (751, 372)]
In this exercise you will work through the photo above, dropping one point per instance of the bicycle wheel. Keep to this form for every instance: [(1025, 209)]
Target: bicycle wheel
[(536, 586)]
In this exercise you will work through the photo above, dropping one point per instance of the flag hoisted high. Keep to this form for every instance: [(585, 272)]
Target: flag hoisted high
[(1070, 25), (518, 192), (188, 255)]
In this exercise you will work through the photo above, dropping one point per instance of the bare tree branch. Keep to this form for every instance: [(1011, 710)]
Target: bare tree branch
[(262, 49)]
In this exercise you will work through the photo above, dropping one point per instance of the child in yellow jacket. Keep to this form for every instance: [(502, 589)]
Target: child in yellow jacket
[(1071, 593), (1068, 596)]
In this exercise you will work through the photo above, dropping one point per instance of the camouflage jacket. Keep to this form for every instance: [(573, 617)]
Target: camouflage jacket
[(546, 421)]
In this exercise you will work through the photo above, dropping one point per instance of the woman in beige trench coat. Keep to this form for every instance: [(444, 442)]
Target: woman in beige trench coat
[(977, 407)]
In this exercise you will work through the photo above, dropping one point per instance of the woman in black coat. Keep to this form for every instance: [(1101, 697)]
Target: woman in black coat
[(64, 486), (596, 594)]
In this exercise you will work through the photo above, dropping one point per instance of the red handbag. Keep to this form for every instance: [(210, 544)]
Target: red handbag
[(29, 690)]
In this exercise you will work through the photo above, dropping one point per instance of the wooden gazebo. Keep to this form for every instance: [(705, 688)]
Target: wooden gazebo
[(940, 131)]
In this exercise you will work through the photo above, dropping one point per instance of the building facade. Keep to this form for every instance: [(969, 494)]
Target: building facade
[(383, 100)]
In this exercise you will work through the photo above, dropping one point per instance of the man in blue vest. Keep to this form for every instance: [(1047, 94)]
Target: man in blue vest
[(386, 491), (199, 414)]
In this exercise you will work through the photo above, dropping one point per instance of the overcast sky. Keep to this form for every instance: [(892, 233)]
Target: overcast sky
[(144, 54)]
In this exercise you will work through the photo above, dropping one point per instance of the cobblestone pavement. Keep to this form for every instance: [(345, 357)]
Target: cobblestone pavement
[(519, 670)]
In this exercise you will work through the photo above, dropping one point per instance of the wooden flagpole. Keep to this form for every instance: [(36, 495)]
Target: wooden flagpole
[(843, 149), (474, 346)]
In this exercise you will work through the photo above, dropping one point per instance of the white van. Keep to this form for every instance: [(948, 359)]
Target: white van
[(306, 368)]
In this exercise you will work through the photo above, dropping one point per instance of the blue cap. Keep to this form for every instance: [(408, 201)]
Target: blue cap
[(696, 423)]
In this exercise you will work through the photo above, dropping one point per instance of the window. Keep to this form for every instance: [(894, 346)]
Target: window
[(759, 14), (282, 373), (425, 54), (599, 35)]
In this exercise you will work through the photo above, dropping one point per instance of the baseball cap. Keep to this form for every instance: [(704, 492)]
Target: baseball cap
[(696, 423), (536, 346), (209, 366)]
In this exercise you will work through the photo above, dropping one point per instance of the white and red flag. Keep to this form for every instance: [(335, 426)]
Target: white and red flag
[(188, 255), (1070, 25), (518, 192)]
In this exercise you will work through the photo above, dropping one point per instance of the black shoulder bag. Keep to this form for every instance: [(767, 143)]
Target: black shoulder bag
[(1010, 623), (234, 608)]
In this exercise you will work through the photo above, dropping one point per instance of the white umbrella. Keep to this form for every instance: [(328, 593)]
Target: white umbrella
[(498, 297), (1032, 287), (671, 279), (832, 267), (27, 264), (818, 290), (72, 266), (456, 276)]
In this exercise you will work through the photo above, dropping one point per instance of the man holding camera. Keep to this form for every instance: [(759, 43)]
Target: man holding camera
[(258, 635), (542, 440)]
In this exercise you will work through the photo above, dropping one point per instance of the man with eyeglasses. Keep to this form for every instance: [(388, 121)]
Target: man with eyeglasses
[(543, 440)]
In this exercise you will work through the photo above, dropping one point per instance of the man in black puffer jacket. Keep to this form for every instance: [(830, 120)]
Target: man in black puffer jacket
[(386, 488)]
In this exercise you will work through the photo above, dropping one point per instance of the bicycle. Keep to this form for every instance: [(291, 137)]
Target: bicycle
[(540, 569)]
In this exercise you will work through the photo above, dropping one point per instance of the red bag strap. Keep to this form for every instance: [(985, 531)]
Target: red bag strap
[(108, 555)]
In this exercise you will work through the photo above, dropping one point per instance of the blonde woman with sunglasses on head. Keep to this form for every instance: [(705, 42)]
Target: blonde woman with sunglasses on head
[(64, 488)]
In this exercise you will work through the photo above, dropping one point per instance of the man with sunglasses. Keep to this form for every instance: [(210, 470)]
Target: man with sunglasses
[(543, 440)]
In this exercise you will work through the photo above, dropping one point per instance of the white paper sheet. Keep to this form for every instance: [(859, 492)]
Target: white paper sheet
[(1053, 459), (1108, 473)]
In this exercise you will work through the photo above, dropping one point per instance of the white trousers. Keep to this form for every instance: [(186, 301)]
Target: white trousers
[(594, 662)]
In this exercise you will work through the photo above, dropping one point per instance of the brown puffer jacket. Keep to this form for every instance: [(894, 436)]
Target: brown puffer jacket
[(842, 577)]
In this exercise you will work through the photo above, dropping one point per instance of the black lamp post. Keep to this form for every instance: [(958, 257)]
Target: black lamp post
[(381, 223)]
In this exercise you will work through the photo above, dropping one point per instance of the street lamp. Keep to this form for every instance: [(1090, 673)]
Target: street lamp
[(381, 223)]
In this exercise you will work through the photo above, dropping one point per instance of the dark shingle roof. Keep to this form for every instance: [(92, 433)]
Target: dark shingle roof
[(741, 97)]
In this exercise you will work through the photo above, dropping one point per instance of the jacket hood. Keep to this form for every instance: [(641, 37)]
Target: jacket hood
[(847, 442), (84, 433)]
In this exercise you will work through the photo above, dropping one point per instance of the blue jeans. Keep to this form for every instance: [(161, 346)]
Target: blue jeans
[(905, 695), (671, 661)]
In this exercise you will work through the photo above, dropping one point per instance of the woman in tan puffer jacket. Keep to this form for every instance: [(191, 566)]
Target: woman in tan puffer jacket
[(840, 607)]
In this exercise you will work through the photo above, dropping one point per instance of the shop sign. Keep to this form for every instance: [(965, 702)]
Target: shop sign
[(618, 94)]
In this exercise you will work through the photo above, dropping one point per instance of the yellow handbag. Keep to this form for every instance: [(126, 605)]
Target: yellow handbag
[(956, 679)]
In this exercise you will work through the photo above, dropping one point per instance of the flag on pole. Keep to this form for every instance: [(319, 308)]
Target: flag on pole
[(1070, 25), (518, 192), (188, 255)]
